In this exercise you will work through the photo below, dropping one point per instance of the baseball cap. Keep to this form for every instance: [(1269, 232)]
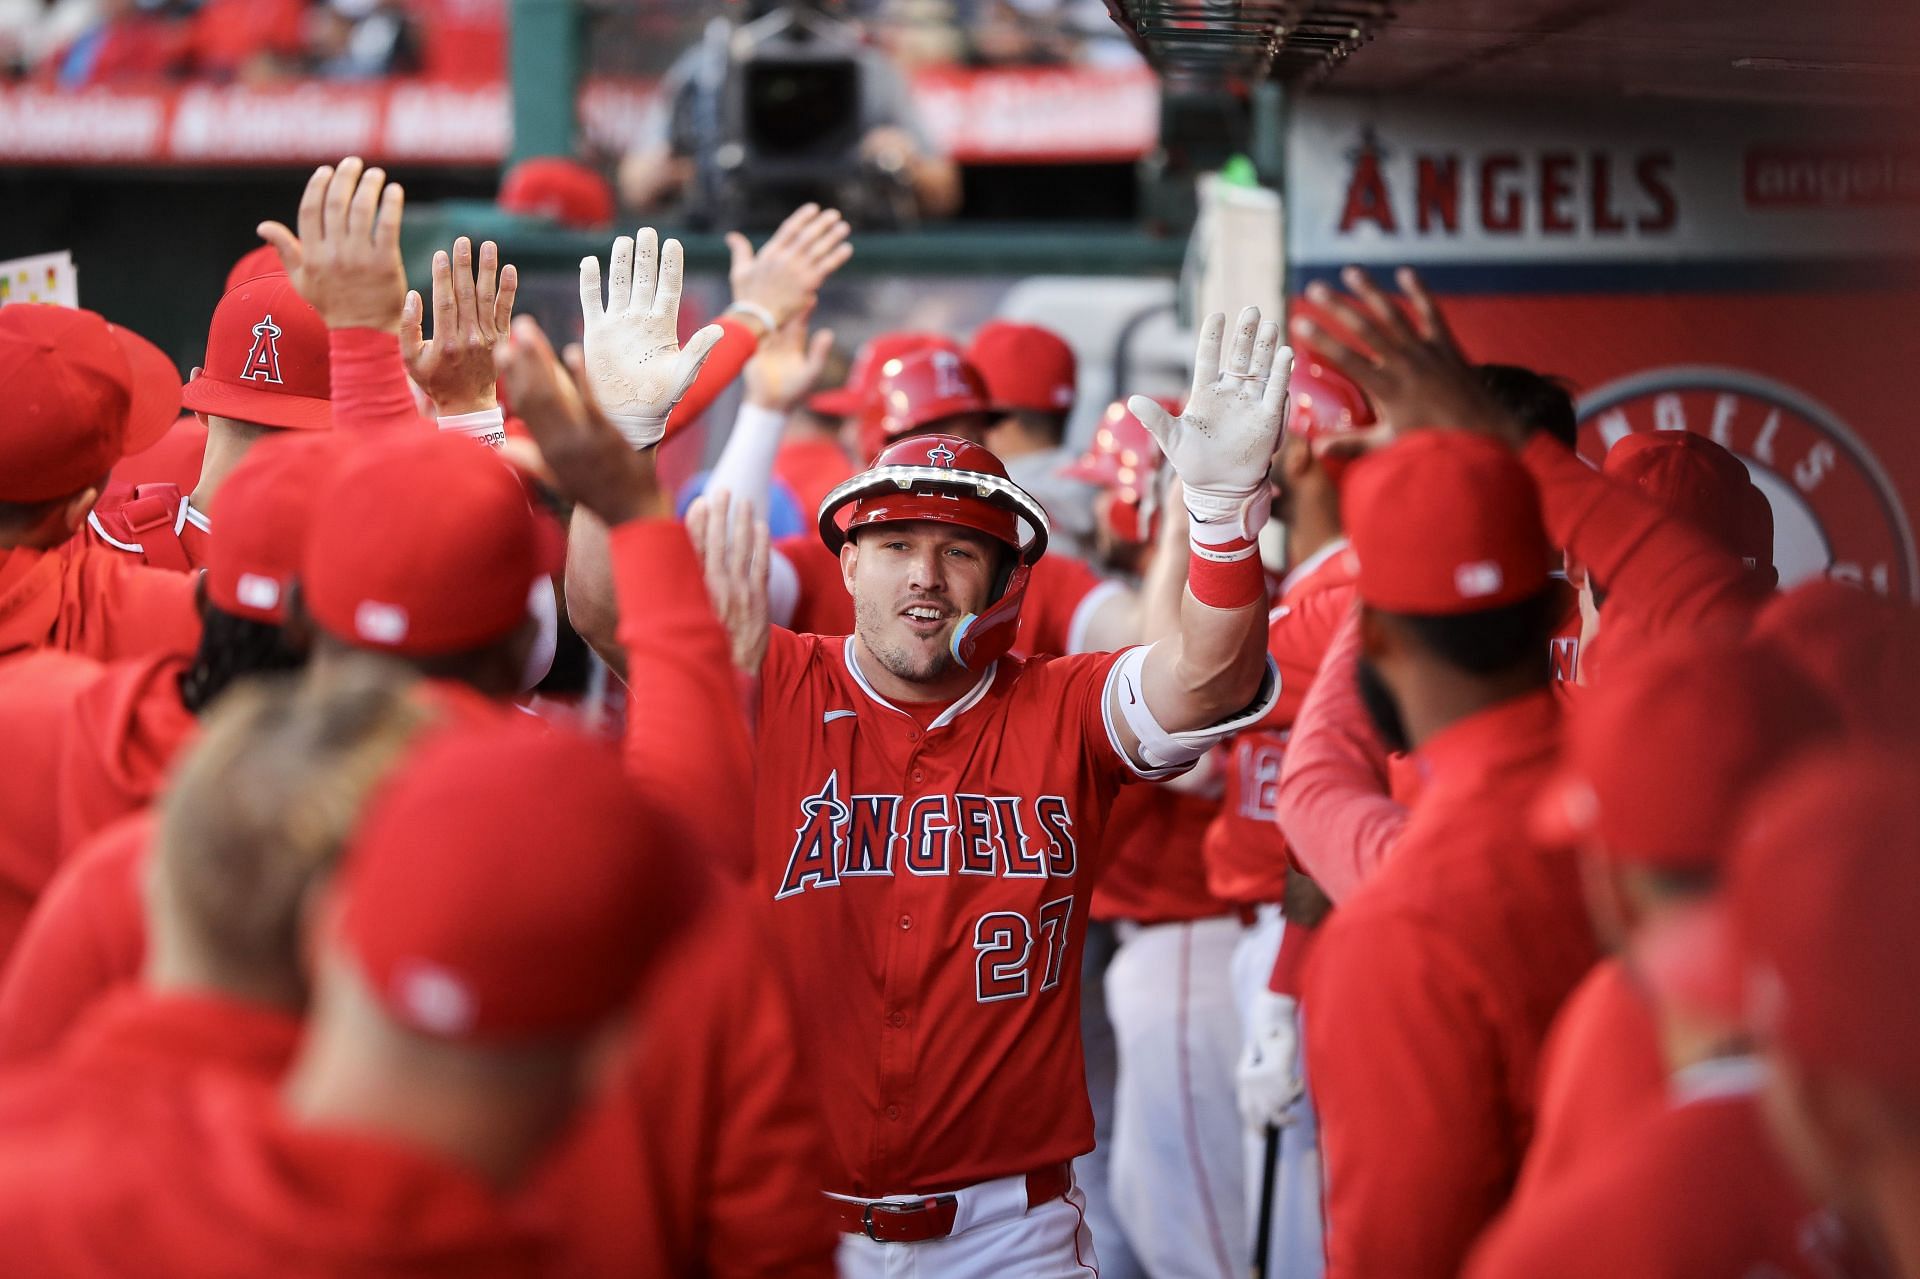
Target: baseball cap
[(267, 359), (1665, 753), (424, 545), (1691, 477), (1026, 367), (874, 355), (81, 393), (552, 186), (262, 260), (1444, 522), (1858, 647), (507, 884), (1810, 943), (263, 511)]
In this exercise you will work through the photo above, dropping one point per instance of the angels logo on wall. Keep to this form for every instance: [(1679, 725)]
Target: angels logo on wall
[(1835, 509)]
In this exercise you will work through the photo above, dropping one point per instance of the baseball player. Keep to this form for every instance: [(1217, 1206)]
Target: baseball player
[(1031, 374), (457, 1002), (928, 810), (1808, 949), (102, 392), (107, 734), (1659, 762), (225, 985)]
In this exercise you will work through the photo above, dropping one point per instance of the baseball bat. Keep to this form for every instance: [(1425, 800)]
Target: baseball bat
[(1269, 1169)]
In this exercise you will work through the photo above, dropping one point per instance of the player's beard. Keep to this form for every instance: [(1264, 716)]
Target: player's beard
[(1382, 709), (910, 660)]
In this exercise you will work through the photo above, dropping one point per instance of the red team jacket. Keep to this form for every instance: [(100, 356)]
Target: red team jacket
[(85, 599), (1601, 1066), (709, 1123), (86, 937), (1689, 1189), (1427, 999), (929, 872), (105, 737)]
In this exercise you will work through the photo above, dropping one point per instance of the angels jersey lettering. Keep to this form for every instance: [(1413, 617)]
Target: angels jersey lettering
[(928, 878)]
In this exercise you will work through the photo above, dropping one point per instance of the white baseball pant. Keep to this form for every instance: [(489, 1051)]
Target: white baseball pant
[(995, 1235), (1295, 1249), (1176, 1171)]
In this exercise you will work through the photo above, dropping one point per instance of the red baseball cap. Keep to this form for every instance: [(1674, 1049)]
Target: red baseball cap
[(1810, 944), (1857, 646), (868, 361), (267, 360), (264, 511), (424, 545), (81, 393), (552, 186), (1026, 367), (507, 884), (1444, 522), (1691, 477), (1666, 752), (264, 260)]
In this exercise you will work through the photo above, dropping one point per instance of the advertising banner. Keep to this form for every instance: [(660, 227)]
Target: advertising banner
[(1746, 277)]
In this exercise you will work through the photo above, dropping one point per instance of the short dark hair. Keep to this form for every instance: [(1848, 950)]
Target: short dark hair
[(1491, 641), (1051, 427), (1541, 401), (232, 648)]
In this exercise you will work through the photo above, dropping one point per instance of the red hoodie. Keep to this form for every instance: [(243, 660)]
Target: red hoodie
[(215, 1182), (83, 598), (102, 739), (85, 938)]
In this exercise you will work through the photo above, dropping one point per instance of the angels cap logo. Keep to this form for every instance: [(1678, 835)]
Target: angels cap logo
[(1835, 509), (263, 361), (941, 455)]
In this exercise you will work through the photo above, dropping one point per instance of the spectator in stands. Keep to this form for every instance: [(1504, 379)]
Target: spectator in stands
[(362, 40)]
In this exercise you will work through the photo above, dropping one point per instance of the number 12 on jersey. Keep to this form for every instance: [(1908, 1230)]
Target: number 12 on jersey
[(1003, 945)]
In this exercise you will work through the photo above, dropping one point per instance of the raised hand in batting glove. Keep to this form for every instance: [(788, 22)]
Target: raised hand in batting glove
[(1223, 443), (635, 365), (1267, 1080)]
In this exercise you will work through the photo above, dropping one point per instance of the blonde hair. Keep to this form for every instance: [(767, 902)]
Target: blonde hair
[(261, 807)]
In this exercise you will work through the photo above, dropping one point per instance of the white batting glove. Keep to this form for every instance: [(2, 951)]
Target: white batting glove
[(1267, 1079), (1222, 445), (635, 365)]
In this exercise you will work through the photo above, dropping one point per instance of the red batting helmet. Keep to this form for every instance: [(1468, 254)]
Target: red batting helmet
[(1323, 401), (874, 354), (917, 391), (1124, 459), (949, 480)]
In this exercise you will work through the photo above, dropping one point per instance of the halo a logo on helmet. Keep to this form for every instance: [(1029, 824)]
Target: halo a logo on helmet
[(1835, 509)]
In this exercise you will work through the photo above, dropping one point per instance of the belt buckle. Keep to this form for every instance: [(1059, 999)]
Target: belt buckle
[(894, 1210)]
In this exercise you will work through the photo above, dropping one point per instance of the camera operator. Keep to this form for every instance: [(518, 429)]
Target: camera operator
[(692, 122)]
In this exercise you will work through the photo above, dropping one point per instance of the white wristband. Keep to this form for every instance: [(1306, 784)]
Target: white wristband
[(758, 312), (489, 426), (640, 431), (1217, 518)]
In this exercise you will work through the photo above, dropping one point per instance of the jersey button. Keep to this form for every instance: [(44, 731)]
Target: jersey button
[(913, 734), (906, 922), (893, 1114), (897, 1020), (919, 775)]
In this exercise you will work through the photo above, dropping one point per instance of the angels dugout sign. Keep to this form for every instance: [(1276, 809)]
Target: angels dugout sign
[(1751, 282)]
